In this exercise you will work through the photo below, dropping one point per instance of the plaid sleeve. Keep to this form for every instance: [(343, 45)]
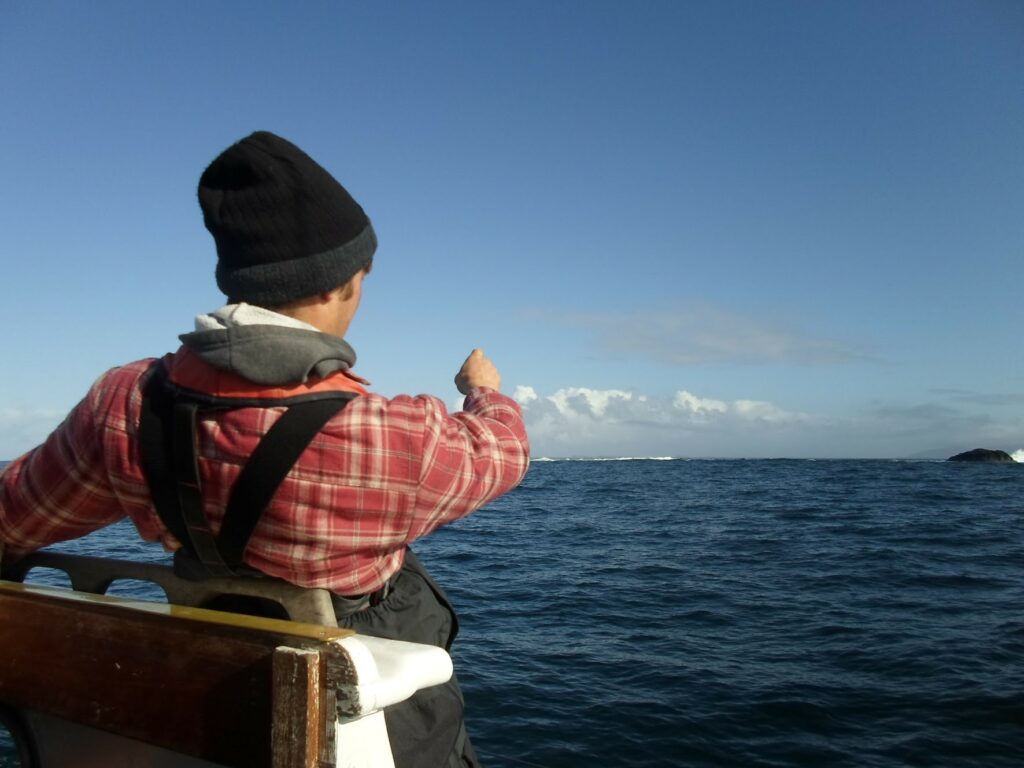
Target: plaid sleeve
[(469, 458), (59, 490)]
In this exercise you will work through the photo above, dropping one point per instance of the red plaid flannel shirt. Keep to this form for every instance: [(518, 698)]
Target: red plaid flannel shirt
[(381, 474)]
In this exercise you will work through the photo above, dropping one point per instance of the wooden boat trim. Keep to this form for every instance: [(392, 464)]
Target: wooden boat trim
[(236, 691), (279, 626)]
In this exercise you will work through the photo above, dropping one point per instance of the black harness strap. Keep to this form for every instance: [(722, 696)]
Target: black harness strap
[(169, 445), (185, 442), (155, 446), (267, 467)]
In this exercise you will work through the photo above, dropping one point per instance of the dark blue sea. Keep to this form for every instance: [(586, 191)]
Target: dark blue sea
[(737, 613)]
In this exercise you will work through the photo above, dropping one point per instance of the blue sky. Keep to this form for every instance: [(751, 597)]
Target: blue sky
[(679, 228)]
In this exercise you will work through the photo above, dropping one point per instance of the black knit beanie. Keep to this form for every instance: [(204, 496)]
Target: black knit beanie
[(284, 227)]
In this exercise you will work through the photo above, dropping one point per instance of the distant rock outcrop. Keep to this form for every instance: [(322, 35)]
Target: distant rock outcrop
[(982, 454)]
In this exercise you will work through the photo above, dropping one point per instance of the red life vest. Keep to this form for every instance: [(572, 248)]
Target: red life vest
[(188, 371)]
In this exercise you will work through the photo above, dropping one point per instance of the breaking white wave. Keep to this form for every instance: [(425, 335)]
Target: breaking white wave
[(604, 458), (1018, 455), (634, 458)]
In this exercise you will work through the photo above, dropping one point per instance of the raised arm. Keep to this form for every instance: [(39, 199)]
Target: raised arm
[(471, 457)]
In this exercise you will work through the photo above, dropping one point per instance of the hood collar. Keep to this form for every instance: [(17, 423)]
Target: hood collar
[(266, 347)]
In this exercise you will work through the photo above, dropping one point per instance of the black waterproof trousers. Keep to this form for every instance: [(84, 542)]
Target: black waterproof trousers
[(427, 730)]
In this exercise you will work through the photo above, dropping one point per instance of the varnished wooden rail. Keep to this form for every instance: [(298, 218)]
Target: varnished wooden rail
[(234, 690)]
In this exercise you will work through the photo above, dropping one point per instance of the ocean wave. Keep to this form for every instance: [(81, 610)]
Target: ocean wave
[(777, 613), (1018, 455)]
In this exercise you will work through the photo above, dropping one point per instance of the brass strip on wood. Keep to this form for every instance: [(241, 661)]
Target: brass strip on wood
[(279, 626)]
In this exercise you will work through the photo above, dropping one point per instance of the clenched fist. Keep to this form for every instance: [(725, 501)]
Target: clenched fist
[(477, 371)]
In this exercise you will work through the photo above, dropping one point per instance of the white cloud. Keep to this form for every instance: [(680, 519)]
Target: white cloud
[(581, 421), (683, 408), (593, 402), (524, 395), (698, 406), (701, 333), (758, 410)]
